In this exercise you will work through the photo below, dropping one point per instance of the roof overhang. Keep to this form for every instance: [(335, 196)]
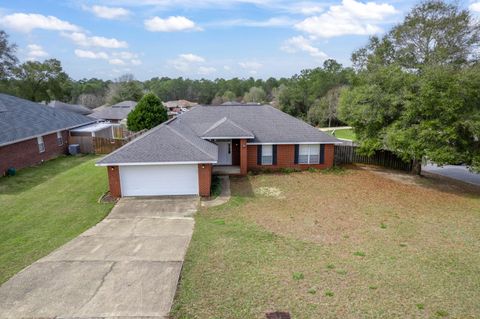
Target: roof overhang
[(286, 143), (155, 163), (226, 137)]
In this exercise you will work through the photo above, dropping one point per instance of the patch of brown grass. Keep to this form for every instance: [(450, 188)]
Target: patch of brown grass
[(366, 243)]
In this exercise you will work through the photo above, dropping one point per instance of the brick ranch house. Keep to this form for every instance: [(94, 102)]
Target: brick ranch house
[(179, 156), (32, 133)]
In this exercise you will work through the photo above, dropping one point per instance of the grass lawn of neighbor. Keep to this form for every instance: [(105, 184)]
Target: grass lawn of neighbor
[(346, 134), (353, 243), (43, 207)]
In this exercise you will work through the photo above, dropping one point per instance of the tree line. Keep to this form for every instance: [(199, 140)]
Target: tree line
[(46, 80)]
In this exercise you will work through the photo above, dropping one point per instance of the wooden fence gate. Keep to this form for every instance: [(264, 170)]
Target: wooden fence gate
[(347, 154)]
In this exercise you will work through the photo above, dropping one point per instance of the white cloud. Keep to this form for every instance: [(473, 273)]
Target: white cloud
[(349, 17), (116, 58), (475, 7), (206, 70), (86, 54), (35, 51), (272, 22), (184, 62), (26, 22), (300, 43), (135, 61), (110, 13), (116, 61), (170, 24), (227, 68), (250, 65), (82, 39), (189, 57)]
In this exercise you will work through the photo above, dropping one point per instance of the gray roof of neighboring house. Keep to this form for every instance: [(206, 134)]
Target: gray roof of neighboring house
[(117, 111), (181, 139), (22, 119), (226, 128), (76, 108), (268, 124), (164, 144)]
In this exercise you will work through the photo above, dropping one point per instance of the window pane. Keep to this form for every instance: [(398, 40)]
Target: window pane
[(303, 159), (267, 160), (314, 159), (315, 149), (267, 150), (303, 149)]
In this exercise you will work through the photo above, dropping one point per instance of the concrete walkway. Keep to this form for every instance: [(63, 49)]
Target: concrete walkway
[(128, 265), (224, 195), (458, 172)]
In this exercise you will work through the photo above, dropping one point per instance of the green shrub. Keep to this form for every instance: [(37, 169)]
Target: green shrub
[(216, 186)]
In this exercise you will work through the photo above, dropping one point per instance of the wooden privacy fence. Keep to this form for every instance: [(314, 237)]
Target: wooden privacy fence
[(103, 145), (347, 154)]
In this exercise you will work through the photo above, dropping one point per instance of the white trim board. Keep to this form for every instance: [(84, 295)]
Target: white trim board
[(153, 163), (294, 143), (226, 138)]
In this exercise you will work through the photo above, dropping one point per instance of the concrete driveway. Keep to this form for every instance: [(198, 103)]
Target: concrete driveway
[(458, 172), (128, 265)]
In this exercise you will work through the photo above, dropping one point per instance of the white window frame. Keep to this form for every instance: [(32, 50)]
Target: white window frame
[(59, 138), (267, 154), (309, 154), (41, 144)]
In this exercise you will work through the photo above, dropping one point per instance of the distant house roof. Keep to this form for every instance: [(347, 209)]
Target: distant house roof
[(184, 138), (22, 119), (179, 104), (116, 112), (76, 108)]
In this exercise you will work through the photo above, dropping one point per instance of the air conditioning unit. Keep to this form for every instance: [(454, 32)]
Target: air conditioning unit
[(74, 149)]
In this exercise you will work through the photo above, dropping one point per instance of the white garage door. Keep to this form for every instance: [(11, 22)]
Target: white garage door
[(156, 180)]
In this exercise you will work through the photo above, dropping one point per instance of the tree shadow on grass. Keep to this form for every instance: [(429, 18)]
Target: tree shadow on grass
[(241, 186), (30, 177)]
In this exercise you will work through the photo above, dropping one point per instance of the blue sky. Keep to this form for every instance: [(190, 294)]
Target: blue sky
[(196, 38)]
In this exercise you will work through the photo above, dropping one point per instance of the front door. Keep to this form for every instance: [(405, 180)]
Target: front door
[(224, 153)]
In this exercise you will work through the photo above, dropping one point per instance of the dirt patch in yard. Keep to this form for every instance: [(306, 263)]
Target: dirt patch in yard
[(359, 244), (330, 208)]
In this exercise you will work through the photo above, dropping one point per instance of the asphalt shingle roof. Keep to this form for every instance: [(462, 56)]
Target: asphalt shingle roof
[(163, 144), (76, 108), (181, 139), (226, 128), (21, 119), (117, 111), (268, 124)]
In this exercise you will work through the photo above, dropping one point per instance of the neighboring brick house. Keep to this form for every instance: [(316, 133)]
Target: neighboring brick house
[(179, 156), (32, 133)]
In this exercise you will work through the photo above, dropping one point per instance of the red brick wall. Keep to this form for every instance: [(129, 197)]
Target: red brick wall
[(286, 158), (24, 154), (243, 157), (114, 181), (204, 179)]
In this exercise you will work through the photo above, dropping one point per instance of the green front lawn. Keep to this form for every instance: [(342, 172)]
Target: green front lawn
[(343, 244), (44, 207)]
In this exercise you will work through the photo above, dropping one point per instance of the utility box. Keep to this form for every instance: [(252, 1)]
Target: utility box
[(74, 149)]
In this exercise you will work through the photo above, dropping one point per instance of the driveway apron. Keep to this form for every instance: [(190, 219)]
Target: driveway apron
[(128, 265)]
